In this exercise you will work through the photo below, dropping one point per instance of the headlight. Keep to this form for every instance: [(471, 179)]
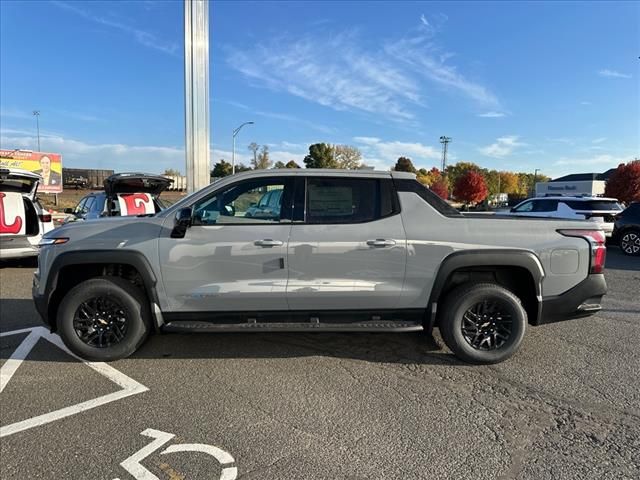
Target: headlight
[(52, 241)]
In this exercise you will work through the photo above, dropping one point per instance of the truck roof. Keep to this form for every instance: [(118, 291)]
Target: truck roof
[(326, 172)]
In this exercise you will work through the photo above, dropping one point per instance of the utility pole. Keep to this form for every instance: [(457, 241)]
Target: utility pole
[(196, 93), (535, 179), (445, 142), (36, 113), (233, 150)]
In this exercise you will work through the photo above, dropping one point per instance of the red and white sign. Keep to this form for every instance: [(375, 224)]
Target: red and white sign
[(12, 214), (135, 204)]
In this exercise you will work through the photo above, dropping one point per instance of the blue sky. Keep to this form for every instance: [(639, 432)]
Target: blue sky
[(518, 86)]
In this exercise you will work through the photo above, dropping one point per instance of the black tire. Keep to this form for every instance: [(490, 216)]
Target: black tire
[(630, 242), (133, 306), (456, 321)]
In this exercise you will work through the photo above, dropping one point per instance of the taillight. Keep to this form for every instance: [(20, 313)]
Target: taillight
[(45, 217), (596, 240)]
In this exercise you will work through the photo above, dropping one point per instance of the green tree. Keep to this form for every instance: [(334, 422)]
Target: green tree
[(279, 164), (321, 155), (404, 164), (221, 169), (347, 157), (171, 172), (292, 164)]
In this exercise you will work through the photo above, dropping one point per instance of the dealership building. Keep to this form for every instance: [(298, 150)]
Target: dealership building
[(575, 184)]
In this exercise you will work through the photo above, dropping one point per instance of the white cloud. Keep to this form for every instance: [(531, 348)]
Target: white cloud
[(599, 140), (384, 154), (492, 115), (143, 37), (116, 156), (334, 71), (604, 160), (502, 147), (613, 74), (585, 103)]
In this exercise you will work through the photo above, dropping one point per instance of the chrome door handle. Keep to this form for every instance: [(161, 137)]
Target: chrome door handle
[(268, 242), (381, 243)]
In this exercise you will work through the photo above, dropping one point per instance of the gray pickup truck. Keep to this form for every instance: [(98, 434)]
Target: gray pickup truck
[(342, 251)]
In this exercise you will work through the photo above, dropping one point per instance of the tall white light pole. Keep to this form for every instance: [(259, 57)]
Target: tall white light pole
[(233, 150), (196, 93), (36, 113)]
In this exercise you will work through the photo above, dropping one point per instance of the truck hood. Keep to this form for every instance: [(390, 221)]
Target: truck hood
[(136, 183)]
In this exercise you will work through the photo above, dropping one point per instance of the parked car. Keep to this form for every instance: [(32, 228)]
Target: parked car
[(349, 251), (626, 232), (23, 220), (124, 194), (268, 206), (596, 209)]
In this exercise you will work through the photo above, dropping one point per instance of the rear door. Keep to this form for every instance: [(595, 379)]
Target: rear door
[(347, 249), (228, 260)]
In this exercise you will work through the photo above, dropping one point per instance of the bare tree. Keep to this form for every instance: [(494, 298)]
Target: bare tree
[(254, 147), (347, 157), (262, 161)]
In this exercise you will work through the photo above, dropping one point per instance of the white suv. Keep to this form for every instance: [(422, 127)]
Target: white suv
[(596, 209), (23, 221)]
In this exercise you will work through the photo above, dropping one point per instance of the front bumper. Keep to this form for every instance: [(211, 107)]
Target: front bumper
[(580, 301)]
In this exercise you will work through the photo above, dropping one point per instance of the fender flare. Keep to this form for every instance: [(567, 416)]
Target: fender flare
[(128, 257), (485, 257)]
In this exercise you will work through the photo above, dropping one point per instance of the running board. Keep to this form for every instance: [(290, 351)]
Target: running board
[(372, 326)]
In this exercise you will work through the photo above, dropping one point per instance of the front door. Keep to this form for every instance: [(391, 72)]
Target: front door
[(231, 259), (349, 252)]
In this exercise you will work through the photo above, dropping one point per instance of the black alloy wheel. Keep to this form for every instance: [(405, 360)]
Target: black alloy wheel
[(100, 322), (487, 325)]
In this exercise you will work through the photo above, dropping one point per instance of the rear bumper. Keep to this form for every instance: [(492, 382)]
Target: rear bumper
[(582, 300)]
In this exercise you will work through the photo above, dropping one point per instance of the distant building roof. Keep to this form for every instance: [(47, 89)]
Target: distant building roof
[(582, 177)]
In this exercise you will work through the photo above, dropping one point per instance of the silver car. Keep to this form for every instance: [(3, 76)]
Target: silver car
[(346, 251)]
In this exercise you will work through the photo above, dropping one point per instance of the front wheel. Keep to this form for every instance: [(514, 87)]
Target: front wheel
[(104, 319), (630, 242), (482, 323)]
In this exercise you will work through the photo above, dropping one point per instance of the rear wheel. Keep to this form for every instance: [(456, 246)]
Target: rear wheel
[(482, 323), (104, 319), (630, 242)]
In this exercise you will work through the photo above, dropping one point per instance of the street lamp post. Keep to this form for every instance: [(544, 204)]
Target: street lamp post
[(233, 151), (36, 113)]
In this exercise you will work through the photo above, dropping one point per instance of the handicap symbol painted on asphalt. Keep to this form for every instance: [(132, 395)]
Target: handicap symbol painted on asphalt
[(139, 472)]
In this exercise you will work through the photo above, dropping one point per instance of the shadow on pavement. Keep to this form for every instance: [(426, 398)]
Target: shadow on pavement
[(29, 262), (616, 260)]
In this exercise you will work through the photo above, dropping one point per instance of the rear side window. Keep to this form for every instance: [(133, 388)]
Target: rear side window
[(593, 205), (349, 200), (545, 205)]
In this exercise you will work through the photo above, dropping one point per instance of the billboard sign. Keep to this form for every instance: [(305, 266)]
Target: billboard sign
[(47, 165)]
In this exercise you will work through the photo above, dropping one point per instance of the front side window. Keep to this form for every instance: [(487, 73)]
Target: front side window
[(525, 207), (348, 200), (245, 202)]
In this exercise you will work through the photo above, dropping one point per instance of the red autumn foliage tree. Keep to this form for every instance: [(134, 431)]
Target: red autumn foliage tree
[(470, 188), (624, 183), (441, 188)]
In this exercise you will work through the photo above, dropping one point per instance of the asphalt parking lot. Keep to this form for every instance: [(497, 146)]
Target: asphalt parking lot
[(312, 406)]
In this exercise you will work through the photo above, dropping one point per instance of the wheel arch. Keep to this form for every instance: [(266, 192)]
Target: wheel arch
[(518, 270), (71, 268)]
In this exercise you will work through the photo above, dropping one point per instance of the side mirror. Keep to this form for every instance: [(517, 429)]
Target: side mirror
[(182, 222), (68, 210)]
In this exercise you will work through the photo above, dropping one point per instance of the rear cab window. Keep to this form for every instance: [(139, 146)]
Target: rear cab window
[(349, 200)]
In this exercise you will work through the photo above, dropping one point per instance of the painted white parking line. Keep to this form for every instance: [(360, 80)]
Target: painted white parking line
[(129, 386)]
